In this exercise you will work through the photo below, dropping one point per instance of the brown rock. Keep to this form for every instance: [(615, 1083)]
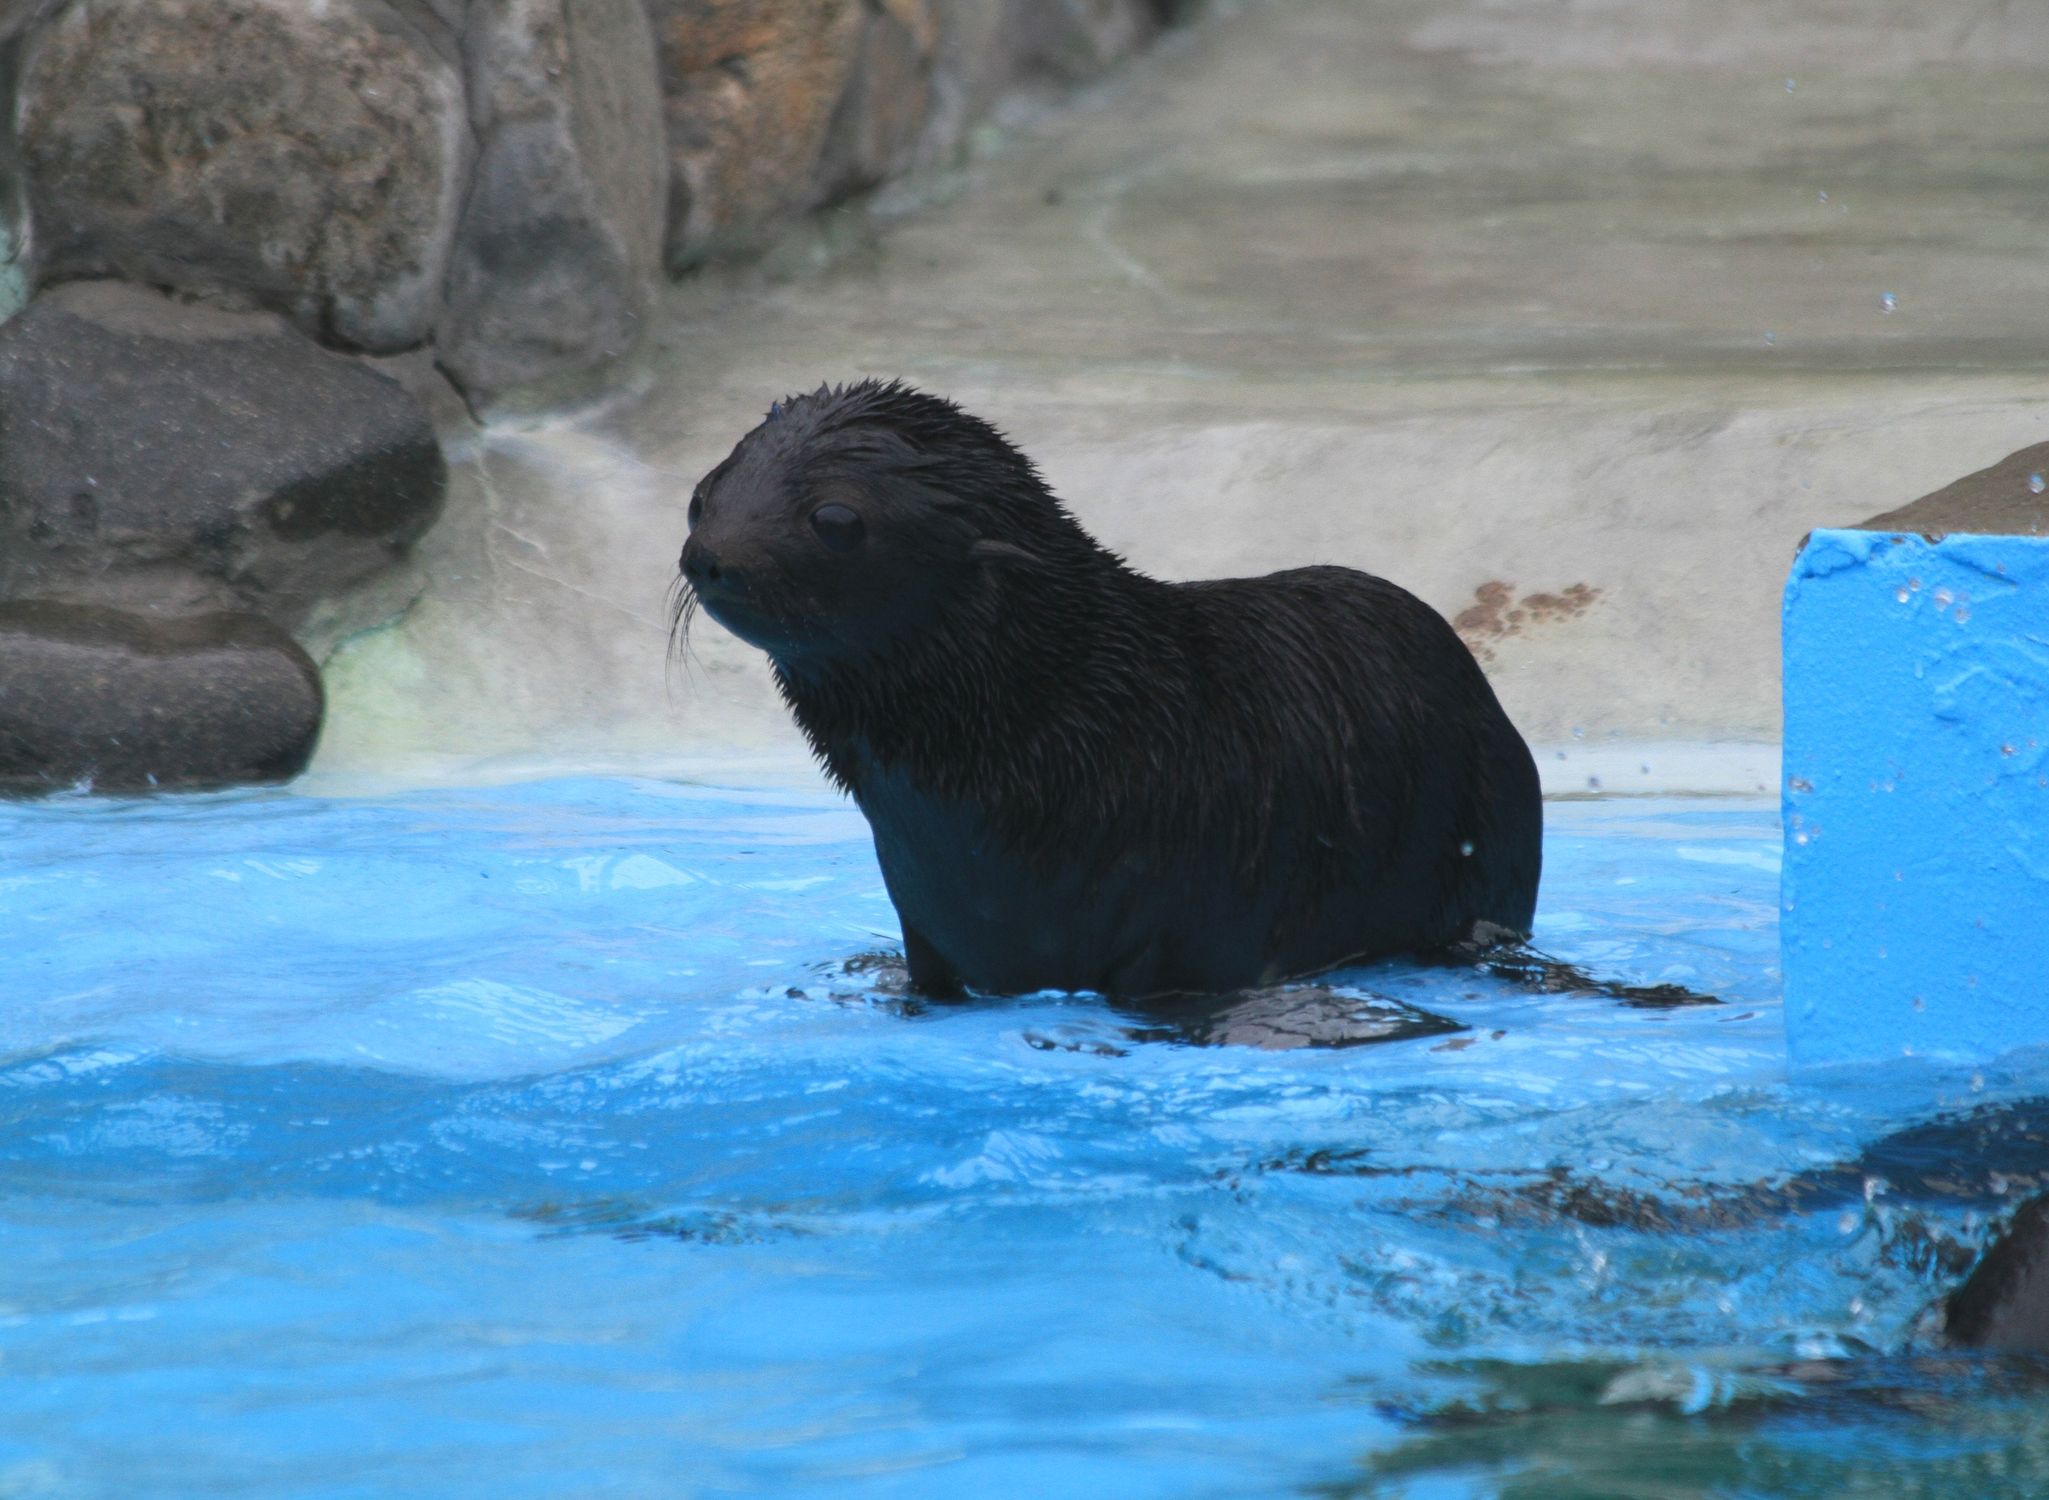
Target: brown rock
[(126, 703), (2006, 498), (752, 87), (559, 255), (306, 158)]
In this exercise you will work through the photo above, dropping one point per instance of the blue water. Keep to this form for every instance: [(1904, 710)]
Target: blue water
[(534, 1141)]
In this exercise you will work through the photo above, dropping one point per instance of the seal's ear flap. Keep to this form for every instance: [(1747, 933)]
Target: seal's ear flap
[(989, 550)]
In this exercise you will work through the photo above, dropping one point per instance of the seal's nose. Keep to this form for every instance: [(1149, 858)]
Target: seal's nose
[(699, 563)]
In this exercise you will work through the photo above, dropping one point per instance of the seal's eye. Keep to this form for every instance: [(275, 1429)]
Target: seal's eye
[(838, 526), (696, 511)]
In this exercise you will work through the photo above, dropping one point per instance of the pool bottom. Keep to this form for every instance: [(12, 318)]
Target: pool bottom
[(535, 1141)]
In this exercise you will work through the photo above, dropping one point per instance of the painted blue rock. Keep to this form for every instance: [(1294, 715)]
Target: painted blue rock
[(1916, 888)]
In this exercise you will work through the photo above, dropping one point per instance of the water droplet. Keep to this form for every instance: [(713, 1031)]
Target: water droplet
[(2037, 484), (1790, 82), (1846, 1224), (1593, 783), (1977, 1083), (1914, 584), (1466, 848), (1943, 598), (1579, 732), (1821, 197), (1903, 596), (1770, 337), (1888, 302)]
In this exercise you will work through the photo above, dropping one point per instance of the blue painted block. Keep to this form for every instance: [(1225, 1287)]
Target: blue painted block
[(1916, 877)]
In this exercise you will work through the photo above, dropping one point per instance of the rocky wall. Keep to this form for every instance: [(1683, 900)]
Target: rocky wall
[(250, 244)]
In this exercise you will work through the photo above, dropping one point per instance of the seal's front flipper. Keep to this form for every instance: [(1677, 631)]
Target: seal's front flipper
[(1509, 956), (931, 975)]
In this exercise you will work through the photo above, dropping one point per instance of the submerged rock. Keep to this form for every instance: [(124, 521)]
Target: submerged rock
[(129, 703), (559, 255), (1284, 1018), (166, 456), (306, 158)]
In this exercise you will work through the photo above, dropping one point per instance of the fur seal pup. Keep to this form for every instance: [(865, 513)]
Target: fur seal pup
[(2004, 1303), (1082, 778)]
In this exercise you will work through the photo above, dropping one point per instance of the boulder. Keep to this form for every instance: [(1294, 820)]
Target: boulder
[(165, 456), (1073, 40), (985, 47), (127, 703), (559, 255), (16, 16), (875, 134), (752, 87), (306, 158)]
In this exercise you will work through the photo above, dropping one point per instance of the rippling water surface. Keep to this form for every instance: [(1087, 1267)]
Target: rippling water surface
[(538, 1141)]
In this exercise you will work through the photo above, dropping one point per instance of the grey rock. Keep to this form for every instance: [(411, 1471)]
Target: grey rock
[(559, 255), (876, 131), (2011, 497), (127, 703), (751, 90), (1074, 40), (19, 15), (970, 67), (986, 48), (16, 16), (305, 158), (169, 456)]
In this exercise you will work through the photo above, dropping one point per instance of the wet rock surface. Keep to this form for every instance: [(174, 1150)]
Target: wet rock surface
[(306, 158), (129, 703), (558, 258), (1286, 1017), (2007, 498), (179, 457)]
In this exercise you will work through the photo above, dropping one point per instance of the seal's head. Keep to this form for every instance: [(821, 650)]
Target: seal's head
[(857, 515)]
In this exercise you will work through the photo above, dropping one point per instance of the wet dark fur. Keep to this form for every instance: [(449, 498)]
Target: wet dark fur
[(1083, 778), (2004, 1304)]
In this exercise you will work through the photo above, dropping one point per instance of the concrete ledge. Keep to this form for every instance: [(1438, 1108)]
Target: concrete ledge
[(1916, 795)]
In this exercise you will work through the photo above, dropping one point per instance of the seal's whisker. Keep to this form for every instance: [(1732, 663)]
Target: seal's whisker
[(682, 608)]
